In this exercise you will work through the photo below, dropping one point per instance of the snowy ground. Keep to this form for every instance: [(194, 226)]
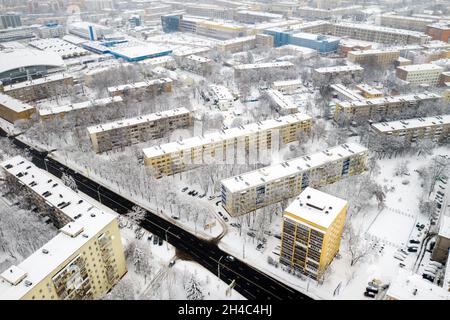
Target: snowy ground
[(387, 231)]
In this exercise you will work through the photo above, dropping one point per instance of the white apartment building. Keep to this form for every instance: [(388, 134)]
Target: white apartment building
[(256, 67), (221, 96), (256, 189), (244, 143), (417, 74), (282, 104), (405, 22), (288, 86), (326, 74), (118, 134)]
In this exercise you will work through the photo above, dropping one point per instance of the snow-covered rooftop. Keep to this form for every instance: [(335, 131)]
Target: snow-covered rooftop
[(14, 104), (287, 168), (59, 46), (62, 247), (420, 67), (221, 92), (390, 100), (264, 65), (316, 207), (282, 101), (22, 58), (349, 68), (79, 106), (444, 228), (137, 120), (370, 27), (348, 93), (224, 134), (138, 85), (370, 52), (411, 286), (411, 123)]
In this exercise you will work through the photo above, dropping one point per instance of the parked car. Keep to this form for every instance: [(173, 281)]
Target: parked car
[(202, 195), (220, 214), (160, 242), (211, 197), (372, 289), (369, 294), (414, 241), (428, 277), (149, 238), (251, 234), (155, 239), (171, 263), (259, 246), (175, 217), (412, 249), (225, 219), (184, 189), (195, 193), (191, 192), (436, 264)]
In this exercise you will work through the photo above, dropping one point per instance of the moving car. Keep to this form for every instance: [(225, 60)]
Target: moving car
[(230, 258)]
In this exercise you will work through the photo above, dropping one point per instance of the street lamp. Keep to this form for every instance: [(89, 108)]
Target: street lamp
[(45, 163), (218, 267), (167, 241)]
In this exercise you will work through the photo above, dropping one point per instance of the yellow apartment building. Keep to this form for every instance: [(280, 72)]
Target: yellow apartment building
[(84, 261), (311, 233)]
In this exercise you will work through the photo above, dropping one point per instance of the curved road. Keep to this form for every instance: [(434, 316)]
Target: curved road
[(251, 283)]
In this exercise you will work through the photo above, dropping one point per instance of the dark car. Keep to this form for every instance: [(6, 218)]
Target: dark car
[(155, 240), (175, 217), (149, 238), (195, 193), (372, 289), (251, 234), (184, 189), (369, 294), (414, 241), (412, 249), (428, 277), (225, 218), (160, 242), (191, 192)]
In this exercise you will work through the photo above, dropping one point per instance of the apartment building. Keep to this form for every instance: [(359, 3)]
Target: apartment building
[(196, 64), (237, 44), (439, 31), (119, 134), (153, 87), (383, 57), (253, 68), (40, 88), (208, 10), (327, 13), (259, 188), (327, 74), (446, 95), (417, 74), (380, 108), (228, 145), (84, 261), (248, 16), (221, 97), (379, 34), (288, 86), (79, 108), (12, 109), (442, 247), (281, 103), (405, 22), (436, 128), (311, 234)]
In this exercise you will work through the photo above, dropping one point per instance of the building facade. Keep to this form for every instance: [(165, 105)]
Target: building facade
[(152, 87), (435, 128), (226, 145), (383, 58), (417, 74), (311, 234), (84, 261), (256, 189), (119, 134), (13, 110), (439, 31), (405, 22), (380, 108)]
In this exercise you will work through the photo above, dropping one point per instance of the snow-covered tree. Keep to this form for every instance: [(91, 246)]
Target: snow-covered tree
[(193, 289)]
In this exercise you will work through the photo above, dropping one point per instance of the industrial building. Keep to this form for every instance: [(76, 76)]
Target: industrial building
[(405, 22), (226, 145), (256, 189), (121, 133), (84, 261), (18, 65), (436, 128), (311, 234)]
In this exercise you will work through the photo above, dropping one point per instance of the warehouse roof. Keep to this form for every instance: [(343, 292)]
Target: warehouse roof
[(411, 123), (22, 58)]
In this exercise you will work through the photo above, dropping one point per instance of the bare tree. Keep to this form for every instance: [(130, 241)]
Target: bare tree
[(357, 245)]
